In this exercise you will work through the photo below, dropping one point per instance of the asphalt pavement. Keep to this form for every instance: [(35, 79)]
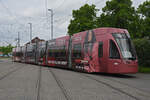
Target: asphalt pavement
[(20, 81)]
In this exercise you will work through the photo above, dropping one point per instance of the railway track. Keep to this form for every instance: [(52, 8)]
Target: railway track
[(64, 90), (117, 81), (68, 97), (60, 85), (38, 84), (110, 86), (6, 74), (6, 66), (134, 96)]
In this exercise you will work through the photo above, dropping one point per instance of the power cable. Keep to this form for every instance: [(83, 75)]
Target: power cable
[(11, 14), (59, 5), (86, 1)]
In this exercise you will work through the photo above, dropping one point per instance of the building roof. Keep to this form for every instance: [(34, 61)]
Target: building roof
[(34, 40)]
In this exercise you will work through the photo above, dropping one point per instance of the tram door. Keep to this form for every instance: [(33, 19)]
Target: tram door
[(100, 56), (70, 53)]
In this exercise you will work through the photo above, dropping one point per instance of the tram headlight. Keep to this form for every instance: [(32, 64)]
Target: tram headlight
[(116, 63)]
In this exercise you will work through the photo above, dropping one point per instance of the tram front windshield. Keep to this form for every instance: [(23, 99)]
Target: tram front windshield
[(126, 46)]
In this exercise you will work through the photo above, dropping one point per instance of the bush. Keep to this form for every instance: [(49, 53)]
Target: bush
[(144, 69), (142, 47)]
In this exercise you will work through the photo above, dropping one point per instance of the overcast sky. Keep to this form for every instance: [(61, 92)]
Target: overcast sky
[(16, 14)]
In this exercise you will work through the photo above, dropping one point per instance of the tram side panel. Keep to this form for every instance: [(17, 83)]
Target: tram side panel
[(17, 54), (108, 50), (23, 51), (30, 54), (57, 52), (42, 53)]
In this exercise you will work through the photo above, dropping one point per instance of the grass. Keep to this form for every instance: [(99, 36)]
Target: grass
[(4, 57), (143, 69)]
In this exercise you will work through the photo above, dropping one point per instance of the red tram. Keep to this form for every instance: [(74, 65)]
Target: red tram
[(17, 54), (42, 46), (23, 54), (31, 53), (57, 52), (108, 50)]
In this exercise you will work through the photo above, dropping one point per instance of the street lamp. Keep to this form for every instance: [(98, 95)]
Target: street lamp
[(51, 22), (30, 31), (18, 39)]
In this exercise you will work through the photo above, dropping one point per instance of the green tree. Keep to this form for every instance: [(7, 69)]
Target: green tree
[(120, 14), (83, 19), (6, 49), (144, 11), (143, 51)]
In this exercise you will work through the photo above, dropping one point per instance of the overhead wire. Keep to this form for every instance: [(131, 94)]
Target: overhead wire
[(60, 20), (7, 9), (20, 28), (12, 15), (86, 1), (58, 7), (9, 12)]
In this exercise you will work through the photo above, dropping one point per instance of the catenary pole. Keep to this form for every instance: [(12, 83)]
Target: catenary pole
[(51, 22)]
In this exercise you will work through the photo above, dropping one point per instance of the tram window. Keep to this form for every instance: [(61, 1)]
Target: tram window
[(62, 51), (59, 54), (50, 54), (57, 51), (19, 54), (56, 54), (62, 54), (42, 53), (29, 54), (77, 50), (100, 49), (113, 51), (14, 54)]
